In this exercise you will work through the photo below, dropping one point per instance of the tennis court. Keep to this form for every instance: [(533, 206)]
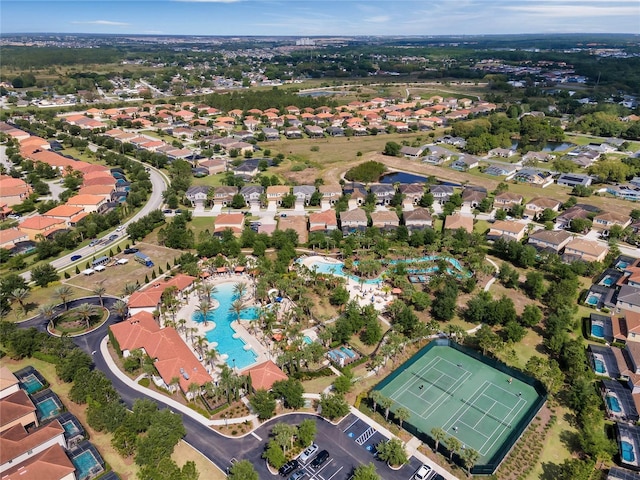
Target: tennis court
[(484, 407)]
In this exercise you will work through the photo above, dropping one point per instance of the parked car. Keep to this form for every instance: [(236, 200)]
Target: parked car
[(168, 211), (75, 257), (177, 211), (423, 473), (14, 216), (130, 250), (322, 457), (308, 453), (299, 475), (289, 467)]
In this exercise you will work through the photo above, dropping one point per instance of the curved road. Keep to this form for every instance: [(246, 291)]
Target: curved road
[(159, 185), (345, 453)]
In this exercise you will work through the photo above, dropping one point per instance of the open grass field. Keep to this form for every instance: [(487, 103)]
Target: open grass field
[(183, 453), (442, 387)]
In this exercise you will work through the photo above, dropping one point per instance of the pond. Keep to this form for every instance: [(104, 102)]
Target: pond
[(546, 146)]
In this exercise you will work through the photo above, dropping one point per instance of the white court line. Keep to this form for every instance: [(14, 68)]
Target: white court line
[(521, 403)]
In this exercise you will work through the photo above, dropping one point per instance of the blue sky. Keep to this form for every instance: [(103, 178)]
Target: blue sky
[(328, 17)]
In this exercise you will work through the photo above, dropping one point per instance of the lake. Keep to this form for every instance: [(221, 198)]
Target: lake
[(547, 147)]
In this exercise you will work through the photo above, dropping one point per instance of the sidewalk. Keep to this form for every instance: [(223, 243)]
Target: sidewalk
[(163, 398)]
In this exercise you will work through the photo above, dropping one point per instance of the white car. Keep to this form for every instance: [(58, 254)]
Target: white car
[(120, 228), (423, 473), (308, 452)]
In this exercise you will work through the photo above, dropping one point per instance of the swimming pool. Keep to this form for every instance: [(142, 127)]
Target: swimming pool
[(70, 428), (597, 330), (307, 340), (86, 464), (626, 451), (599, 366), (31, 383), (48, 408), (613, 404), (593, 300), (225, 336), (608, 281)]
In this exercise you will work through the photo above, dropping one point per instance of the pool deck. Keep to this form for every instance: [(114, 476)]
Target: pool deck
[(191, 306)]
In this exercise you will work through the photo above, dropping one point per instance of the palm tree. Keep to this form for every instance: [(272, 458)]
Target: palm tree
[(48, 312), (375, 396), (99, 290), (194, 390), (453, 444), (63, 292), (211, 355), (200, 343), (121, 309), (438, 434), (20, 295), (128, 289), (386, 403), (206, 290), (402, 414), (236, 307), (203, 308), (85, 311), (240, 290), (469, 458), (182, 325)]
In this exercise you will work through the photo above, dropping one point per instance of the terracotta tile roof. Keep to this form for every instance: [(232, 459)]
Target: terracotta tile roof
[(51, 464), (10, 235), (103, 180), (130, 332), (39, 222), (263, 376), (104, 190), (85, 200), (52, 158), (64, 211), (15, 406), (455, 221), (16, 440), (145, 299), (97, 173), (508, 226), (585, 246), (230, 219), (328, 217), (7, 379)]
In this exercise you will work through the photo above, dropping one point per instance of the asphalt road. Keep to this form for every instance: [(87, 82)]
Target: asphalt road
[(155, 202), (345, 453)]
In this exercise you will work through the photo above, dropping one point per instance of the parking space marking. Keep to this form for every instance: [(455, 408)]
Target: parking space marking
[(255, 435), (337, 472), (351, 424)]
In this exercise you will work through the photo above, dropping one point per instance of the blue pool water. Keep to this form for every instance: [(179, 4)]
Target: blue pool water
[(223, 316), (597, 330), (608, 281), (307, 340), (336, 268), (31, 384), (48, 408), (622, 265), (599, 366), (592, 300), (626, 450), (85, 463), (613, 404), (70, 428)]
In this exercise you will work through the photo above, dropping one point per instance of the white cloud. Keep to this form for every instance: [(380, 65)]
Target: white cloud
[(378, 19), (102, 22), (555, 10)]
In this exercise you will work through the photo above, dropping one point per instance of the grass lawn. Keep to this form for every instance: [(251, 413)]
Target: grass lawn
[(481, 226), (183, 452), (209, 180), (41, 296), (317, 385), (125, 468), (200, 224)]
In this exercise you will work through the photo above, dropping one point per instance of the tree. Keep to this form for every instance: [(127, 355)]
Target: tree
[(20, 295), (43, 275), (534, 285), (99, 290), (402, 414), (469, 458), (85, 311), (386, 403), (392, 149), (342, 384), (291, 391), (307, 431), (438, 434), (264, 404), (487, 339), (243, 470), (333, 406), (48, 312), (453, 445), (64, 293), (375, 396), (531, 315), (365, 472), (392, 451), (274, 454), (284, 435)]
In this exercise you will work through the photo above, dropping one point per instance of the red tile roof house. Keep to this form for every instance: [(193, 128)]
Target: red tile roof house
[(323, 221), (149, 299), (456, 221), (385, 219), (39, 225), (71, 215), (17, 409), (229, 221), (172, 357), (89, 203), (263, 376), (13, 190), (17, 445), (51, 464)]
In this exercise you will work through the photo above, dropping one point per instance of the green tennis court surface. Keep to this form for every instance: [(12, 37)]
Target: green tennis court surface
[(486, 408)]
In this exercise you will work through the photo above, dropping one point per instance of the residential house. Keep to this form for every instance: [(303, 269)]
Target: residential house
[(412, 192), (473, 196), (303, 193), (229, 221), (324, 221), (536, 206), (507, 200), (39, 225), (625, 191), (628, 298), (172, 357), (18, 445), (499, 170), (275, 193), (441, 193), (314, 131), (105, 190), (385, 219), (565, 218), (574, 179), (224, 194), (606, 220), (252, 194), (550, 240), (297, 223), (457, 220), (292, 132), (508, 230), (384, 192), (536, 178), (412, 152), (12, 236), (13, 190), (50, 464), (464, 163), (335, 131), (89, 203), (625, 326), (264, 375), (17, 409), (537, 157), (585, 250), (213, 165), (9, 384), (501, 152), (417, 219), (197, 194), (70, 215), (330, 193), (353, 221), (271, 134), (247, 169)]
